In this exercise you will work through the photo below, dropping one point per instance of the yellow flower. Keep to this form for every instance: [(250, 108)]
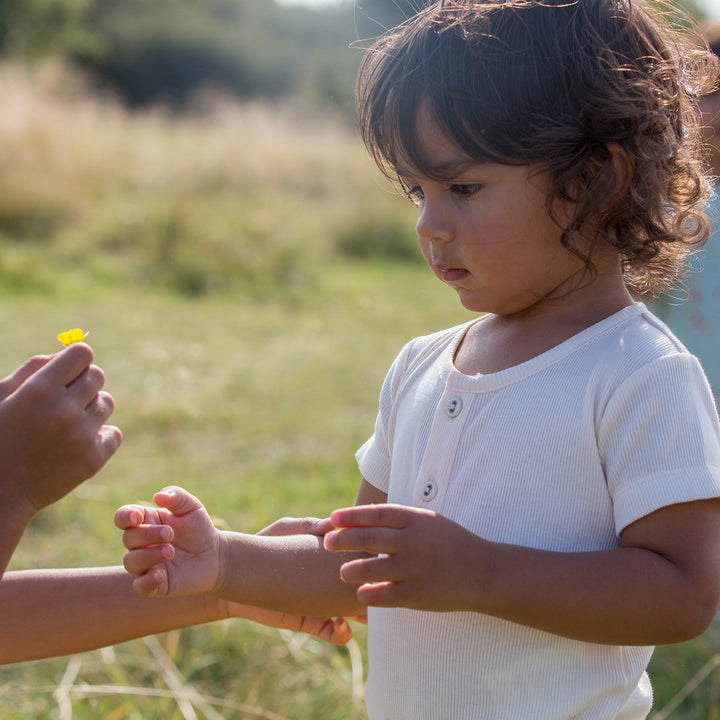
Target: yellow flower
[(71, 336)]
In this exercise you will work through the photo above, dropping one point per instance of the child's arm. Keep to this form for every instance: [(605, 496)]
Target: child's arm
[(58, 612), (176, 550), (52, 436), (662, 586)]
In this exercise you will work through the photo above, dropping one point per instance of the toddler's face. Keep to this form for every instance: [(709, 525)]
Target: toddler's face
[(484, 229)]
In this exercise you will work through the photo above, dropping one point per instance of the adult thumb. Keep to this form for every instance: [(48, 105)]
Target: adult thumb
[(9, 384)]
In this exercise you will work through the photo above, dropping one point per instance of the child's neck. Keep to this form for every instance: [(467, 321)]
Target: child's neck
[(499, 342)]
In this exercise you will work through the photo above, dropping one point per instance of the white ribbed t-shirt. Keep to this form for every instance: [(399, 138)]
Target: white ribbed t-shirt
[(559, 453)]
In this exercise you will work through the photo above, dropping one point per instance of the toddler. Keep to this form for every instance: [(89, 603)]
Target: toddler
[(539, 503)]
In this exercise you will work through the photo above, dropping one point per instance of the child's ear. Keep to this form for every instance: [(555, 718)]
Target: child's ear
[(623, 167)]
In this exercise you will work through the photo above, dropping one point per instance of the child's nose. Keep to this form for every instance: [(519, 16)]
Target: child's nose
[(432, 226)]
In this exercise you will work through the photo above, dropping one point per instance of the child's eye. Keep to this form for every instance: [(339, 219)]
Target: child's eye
[(465, 189), (415, 194)]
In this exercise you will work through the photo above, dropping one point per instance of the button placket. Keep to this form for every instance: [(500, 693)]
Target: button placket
[(429, 491), (453, 407), (446, 431)]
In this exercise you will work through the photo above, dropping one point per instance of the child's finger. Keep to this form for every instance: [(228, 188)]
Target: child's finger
[(129, 516), (381, 515), (152, 584), (297, 526), (362, 539), (368, 570), (139, 562), (336, 632), (383, 594), (177, 500), (144, 535)]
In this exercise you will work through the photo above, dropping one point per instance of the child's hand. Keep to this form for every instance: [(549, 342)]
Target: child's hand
[(174, 549), (52, 431), (336, 632), (298, 526), (425, 562)]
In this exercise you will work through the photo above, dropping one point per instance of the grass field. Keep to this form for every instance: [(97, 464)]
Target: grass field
[(246, 279)]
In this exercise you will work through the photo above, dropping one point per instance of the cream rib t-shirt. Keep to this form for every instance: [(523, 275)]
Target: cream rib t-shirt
[(560, 453)]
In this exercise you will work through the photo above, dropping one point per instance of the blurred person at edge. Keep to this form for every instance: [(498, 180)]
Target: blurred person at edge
[(693, 313)]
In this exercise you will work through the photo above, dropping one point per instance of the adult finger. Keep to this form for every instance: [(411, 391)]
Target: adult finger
[(108, 441), (110, 438), (87, 385), (100, 407), (68, 364), (12, 382)]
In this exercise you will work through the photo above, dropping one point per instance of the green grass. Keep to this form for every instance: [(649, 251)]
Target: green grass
[(246, 279)]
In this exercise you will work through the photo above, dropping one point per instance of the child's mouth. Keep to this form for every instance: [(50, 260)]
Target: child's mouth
[(452, 274)]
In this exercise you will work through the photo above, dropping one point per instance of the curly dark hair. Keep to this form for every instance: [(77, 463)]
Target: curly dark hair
[(555, 84)]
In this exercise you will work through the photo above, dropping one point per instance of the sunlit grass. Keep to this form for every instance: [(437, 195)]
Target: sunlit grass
[(232, 197), (223, 671)]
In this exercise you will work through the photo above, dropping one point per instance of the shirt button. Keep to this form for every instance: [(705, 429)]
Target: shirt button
[(454, 407), (430, 490)]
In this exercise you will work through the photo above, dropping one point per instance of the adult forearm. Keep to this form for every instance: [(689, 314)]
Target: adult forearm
[(14, 519), (44, 613), (293, 574)]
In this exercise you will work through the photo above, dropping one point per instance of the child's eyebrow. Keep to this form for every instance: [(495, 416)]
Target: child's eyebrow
[(441, 169)]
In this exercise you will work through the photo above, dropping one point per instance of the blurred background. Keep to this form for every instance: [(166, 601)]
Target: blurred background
[(169, 50), (183, 180)]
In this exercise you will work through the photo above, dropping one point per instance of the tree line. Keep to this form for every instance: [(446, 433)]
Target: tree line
[(150, 51)]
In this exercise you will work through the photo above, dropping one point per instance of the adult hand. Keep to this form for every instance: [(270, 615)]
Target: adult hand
[(53, 434)]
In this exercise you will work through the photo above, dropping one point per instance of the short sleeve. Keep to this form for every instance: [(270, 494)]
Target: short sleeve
[(659, 439), (374, 457)]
